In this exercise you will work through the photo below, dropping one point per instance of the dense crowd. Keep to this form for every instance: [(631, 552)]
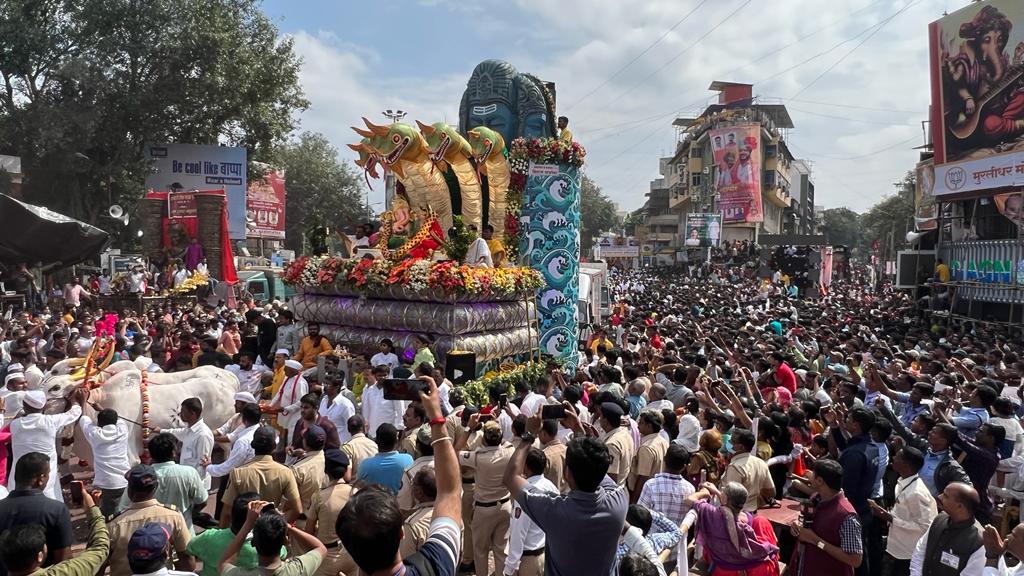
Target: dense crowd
[(714, 422)]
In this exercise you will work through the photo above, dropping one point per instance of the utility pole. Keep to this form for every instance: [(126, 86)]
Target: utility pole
[(389, 177)]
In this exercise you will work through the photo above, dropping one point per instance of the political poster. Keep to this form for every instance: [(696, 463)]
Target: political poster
[(925, 208), (737, 154), (702, 230), (264, 207), (201, 167), (977, 72)]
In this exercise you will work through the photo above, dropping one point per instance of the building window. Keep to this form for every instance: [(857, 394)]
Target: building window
[(695, 152), (771, 150), (695, 179), (770, 178)]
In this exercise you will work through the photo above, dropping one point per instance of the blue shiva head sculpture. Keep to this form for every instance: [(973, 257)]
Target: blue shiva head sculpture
[(511, 103)]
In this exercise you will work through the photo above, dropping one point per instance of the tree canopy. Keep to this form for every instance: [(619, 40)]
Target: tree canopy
[(322, 189), (86, 83), (597, 213)]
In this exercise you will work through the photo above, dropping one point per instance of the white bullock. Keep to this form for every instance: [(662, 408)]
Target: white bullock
[(122, 393)]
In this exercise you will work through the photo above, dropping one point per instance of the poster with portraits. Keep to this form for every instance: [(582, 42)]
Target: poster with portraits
[(737, 154)]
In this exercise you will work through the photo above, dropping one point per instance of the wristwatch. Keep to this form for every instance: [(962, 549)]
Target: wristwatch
[(821, 544)]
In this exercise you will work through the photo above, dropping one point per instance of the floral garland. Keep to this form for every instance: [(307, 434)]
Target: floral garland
[(521, 153), (507, 376), (420, 275), (144, 388)]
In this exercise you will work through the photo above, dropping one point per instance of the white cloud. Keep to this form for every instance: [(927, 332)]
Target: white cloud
[(580, 44)]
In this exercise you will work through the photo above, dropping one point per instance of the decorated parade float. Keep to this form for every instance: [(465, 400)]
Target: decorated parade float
[(503, 169)]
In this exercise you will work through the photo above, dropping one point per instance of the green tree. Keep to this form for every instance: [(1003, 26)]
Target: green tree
[(891, 218), (321, 188), (841, 227), (86, 83), (597, 214)]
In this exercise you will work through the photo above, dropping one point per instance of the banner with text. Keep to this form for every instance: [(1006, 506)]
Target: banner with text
[(703, 230), (977, 102), (201, 167), (264, 207), (737, 154)]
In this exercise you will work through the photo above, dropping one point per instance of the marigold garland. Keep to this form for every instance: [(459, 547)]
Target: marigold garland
[(448, 276)]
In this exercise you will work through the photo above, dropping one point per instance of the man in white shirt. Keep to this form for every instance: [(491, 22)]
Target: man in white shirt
[(196, 439), (377, 410), (241, 450), (228, 431), (913, 512), (996, 548), (250, 375), (689, 427), (108, 438), (525, 539), (180, 275), (537, 397), (479, 254), (337, 408), (105, 282), (13, 391), (287, 337), (288, 399), (37, 432)]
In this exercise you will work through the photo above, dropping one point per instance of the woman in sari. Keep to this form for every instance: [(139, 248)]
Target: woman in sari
[(735, 542)]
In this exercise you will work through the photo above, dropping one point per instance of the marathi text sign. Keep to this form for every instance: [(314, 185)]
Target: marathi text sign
[(977, 104), (181, 205), (736, 150), (620, 251), (264, 207)]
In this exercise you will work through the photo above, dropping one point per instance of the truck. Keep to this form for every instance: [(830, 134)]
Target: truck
[(592, 305), (598, 271), (263, 284)]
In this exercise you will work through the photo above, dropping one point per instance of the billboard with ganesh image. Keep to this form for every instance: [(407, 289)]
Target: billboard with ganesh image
[(977, 70), (737, 152)]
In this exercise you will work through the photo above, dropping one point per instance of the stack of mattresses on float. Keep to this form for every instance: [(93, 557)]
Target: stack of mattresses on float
[(491, 327)]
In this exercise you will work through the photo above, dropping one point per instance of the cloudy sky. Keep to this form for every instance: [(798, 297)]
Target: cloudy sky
[(853, 74)]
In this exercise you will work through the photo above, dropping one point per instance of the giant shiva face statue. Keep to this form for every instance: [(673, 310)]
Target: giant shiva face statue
[(513, 104)]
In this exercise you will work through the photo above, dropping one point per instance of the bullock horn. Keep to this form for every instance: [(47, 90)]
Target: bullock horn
[(106, 360), (378, 130), (76, 362), (425, 128), (363, 133)]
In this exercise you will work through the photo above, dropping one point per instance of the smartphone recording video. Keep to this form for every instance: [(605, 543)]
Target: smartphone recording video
[(403, 389)]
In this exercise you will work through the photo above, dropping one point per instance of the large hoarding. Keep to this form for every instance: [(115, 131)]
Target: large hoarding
[(202, 167), (737, 152), (977, 69), (264, 207), (925, 209), (703, 230)]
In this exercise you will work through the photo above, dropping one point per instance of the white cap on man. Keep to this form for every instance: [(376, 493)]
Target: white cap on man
[(35, 398)]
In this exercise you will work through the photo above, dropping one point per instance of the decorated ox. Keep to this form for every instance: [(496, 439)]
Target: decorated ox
[(123, 392)]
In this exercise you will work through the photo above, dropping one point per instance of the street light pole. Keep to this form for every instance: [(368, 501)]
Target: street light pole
[(390, 184)]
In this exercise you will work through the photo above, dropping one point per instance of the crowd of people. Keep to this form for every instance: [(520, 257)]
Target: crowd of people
[(715, 423)]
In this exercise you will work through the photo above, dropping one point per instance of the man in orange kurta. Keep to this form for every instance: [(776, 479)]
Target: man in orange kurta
[(312, 346)]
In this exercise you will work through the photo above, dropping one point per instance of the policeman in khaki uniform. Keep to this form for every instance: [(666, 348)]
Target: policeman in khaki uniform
[(458, 429), (417, 526), (554, 451), (491, 508), (650, 456), (360, 447), (618, 440), (309, 468), (322, 514), (272, 481), (406, 501), (145, 509)]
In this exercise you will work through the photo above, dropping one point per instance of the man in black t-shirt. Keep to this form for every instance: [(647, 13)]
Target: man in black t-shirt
[(28, 505)]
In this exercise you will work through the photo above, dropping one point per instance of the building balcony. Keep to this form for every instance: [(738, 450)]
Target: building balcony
[(777, 196)]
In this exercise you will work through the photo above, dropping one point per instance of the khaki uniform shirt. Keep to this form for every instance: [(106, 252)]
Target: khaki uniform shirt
[(405, 499), (408, 443), (325, 508), (476, 439), (454, 423), (555, 470), (359, 448), (489, 464), (649, 459), (310, 476), (753, 473), (270, 480), (416, 526), (620, 446), (137, 515)]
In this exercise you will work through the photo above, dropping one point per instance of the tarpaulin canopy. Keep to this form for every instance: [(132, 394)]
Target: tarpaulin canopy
[(33, 234)]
